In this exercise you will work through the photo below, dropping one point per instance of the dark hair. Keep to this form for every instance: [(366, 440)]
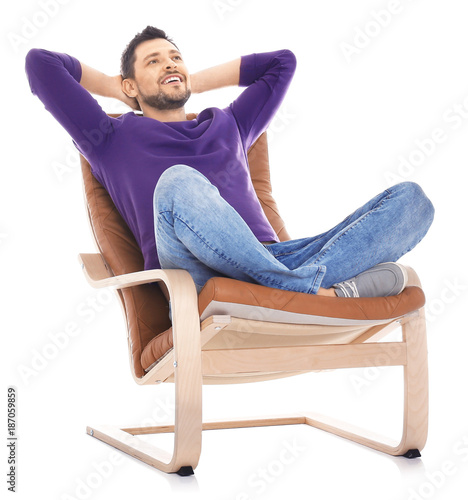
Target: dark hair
[(127, 61)]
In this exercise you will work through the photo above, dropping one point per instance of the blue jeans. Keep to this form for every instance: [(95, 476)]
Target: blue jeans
[(197, 230)]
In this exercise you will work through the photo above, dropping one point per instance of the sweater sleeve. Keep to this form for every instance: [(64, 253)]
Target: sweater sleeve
[(54, 78), (267, 77)]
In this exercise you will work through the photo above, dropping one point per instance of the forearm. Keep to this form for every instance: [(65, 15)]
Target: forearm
[(223, 75), (98, 83)]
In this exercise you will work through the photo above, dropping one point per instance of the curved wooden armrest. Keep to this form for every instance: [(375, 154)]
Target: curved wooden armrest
[(94, 268), (99, 275), (184, 303)]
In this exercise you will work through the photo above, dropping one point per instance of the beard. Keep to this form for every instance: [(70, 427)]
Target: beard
[(163, 101)]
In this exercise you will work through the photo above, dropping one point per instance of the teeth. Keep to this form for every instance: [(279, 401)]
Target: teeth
[(172, 79)]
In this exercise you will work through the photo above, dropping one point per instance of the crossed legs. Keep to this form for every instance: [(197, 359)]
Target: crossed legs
[(197, 230)]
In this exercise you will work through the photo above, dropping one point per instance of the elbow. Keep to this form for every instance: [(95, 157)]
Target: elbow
[(31, 56), (31, 62), (38, 57), (290, 58), (34, 58), (287, 62), (34, 67)]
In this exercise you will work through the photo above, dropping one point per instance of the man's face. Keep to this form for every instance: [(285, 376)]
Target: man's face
[(161, 77)]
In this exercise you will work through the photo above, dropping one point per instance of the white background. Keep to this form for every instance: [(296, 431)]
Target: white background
[(341, 136)]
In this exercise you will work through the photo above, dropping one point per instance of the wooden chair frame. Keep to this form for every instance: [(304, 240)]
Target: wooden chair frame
[(189, 364)]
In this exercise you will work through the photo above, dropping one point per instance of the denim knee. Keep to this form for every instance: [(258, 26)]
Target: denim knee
[(415, 201), (175, 176), (174, 182)]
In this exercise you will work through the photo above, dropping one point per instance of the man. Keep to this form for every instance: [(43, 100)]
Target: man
[(183, 185)]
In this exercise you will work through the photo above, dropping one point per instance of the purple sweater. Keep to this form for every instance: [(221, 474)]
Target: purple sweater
[(128, 154)]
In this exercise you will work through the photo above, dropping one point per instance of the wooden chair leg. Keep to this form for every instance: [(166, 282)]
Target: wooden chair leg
[(416, 396), (415, 423), (187, 436), (188, 383)]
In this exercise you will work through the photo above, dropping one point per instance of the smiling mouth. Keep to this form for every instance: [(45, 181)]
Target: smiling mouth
[(172, 80)]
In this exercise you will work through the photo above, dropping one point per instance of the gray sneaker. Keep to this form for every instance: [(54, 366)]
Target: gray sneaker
[(382, 280)]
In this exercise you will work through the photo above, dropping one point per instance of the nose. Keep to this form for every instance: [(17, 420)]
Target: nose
[(171, 64)]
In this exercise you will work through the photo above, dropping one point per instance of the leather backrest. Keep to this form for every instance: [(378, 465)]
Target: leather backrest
[(145, 306), (260, 174)]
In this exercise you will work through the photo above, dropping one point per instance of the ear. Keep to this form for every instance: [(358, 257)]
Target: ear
[(129, 87)]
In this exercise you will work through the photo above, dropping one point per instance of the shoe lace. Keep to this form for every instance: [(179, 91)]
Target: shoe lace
[(349, 289)]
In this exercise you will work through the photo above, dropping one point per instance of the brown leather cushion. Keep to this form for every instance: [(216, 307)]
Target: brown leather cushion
[(226, 293), (256, 302), (146, 308)]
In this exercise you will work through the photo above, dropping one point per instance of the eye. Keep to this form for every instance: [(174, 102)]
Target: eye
[(153, 61), (178, 57)]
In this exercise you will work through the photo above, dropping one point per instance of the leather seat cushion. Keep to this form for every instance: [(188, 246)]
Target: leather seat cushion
[(260, 303)]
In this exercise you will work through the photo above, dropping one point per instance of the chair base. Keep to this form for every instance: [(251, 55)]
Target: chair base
[(126, 439), (412, 354)]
